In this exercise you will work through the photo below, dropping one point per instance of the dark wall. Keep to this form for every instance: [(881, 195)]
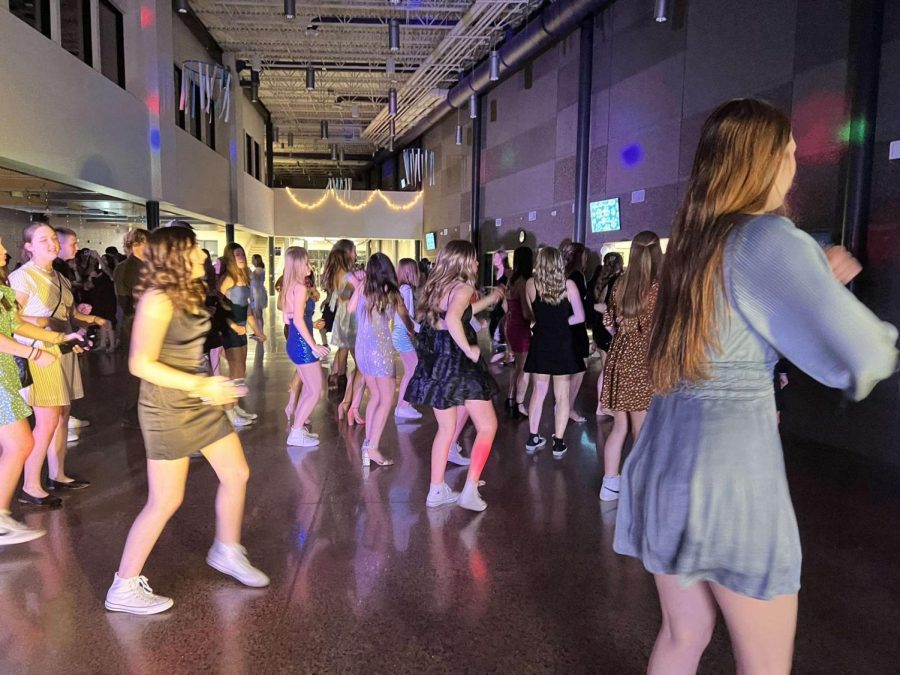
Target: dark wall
[(653, 85)]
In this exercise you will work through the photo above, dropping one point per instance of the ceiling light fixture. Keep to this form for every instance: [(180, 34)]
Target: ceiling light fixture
[(290, 9), (394, 35), (334, 154), (495, 65), (661, 11), (458, 129), (182, 6), (392, 102), (323, 130), (254, 86), (290, 139), (310, 78), (354, 112), (473, 106), (390, 66)]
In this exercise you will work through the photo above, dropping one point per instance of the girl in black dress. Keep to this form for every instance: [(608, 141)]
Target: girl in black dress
[(555, 304), (575, 256), (451, 375), (180, 411)]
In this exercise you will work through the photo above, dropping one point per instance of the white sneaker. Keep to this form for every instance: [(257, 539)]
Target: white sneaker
[(240, 412), (610, 490), (407, 412), (439, 495), (300, 438), (232, 560), (72, 437), (470, 499), (236, 421), (309, 433), (135, 596), (75, 423), (14, 532), (456, 456)]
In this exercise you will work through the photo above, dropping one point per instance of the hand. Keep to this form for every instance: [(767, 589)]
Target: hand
[(261, 337), (321, 351), (357, 277), (474, 353), (77, 335), (99, 321), (84, 308), (499, 293), (843, 265), (43, 358), (319, 324), (216, 391), (782, 380), (600, 307), (239, 329)]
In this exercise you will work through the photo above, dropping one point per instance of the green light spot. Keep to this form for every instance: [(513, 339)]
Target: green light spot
[(852, 132)]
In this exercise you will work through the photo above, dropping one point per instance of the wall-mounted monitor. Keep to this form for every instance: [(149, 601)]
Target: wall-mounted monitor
[(430, 241), (605, 215)]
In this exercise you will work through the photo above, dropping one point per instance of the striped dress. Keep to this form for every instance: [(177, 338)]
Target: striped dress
[(59, 383)]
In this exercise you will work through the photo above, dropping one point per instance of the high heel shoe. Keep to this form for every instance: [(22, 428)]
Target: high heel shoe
[(367, 460), (354, 418), (342, 409)]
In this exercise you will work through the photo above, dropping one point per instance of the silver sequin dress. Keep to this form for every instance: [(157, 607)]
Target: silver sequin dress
[(704, 494), (374, 347)]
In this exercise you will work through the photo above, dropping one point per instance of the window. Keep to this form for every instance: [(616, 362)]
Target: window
[(494, 110), (196, 112), (179, 113), (210, 124), (36, 13), (529, 75), (248, 154), (75, 25), (112, 46), (257, 164)]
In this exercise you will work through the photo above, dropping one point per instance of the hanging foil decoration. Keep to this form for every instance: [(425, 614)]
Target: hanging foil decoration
[(213, 83), (342, 185), (418, 167)]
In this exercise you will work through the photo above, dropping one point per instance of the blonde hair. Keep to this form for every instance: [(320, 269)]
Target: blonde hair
[(408, 272), (550, 275), (741, 150), (644, 262), (454, 265), (293, 258)]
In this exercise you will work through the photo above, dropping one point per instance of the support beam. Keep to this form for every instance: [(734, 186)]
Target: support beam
[(152, 215), (271, 265), (864, 63), (270, 158), (583, 128), (229, 233), (475, 216)]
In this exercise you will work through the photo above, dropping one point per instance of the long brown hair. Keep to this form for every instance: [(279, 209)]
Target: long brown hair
[(573, 254), (741, 149), (338, 263), (230, 267), (169, 270), (612, 267), (644, 262), (550, 275), (454, 265), (381, 290)]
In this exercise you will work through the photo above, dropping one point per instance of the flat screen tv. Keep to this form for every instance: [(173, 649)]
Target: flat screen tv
[(605, 215), (430, 243)]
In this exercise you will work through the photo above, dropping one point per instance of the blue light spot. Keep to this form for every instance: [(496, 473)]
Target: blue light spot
[(632, 154), (155, 140), (232, 150), (301, 539)]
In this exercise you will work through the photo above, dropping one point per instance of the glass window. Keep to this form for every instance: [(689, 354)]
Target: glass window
[(75, 25), (179, 113), (36, 13), (196, 113), (257, 164), (210, 122), (248, 154), (112, 46)]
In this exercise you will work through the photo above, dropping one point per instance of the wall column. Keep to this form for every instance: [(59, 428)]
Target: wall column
[(271, 265), (152, 215), (270, 154), (583, 126), (475, 215), (229, 233), (864, 61)]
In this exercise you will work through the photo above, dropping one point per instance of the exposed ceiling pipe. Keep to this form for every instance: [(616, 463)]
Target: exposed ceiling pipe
[(545, 30)]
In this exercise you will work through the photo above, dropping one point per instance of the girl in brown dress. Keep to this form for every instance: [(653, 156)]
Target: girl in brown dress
[(626, 383)]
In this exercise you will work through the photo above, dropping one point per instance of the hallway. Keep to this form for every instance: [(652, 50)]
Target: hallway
[(365, 579)]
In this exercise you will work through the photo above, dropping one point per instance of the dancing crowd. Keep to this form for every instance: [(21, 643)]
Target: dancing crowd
[(687, 340)]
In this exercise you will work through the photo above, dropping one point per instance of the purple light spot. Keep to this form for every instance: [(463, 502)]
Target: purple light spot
[(632, 154), (155, 140), (232, 150)]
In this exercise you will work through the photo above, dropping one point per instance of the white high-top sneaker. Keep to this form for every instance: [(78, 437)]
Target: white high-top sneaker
[(135, 596), (232, 560)]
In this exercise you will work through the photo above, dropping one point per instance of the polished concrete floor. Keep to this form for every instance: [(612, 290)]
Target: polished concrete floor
[(365, 579)]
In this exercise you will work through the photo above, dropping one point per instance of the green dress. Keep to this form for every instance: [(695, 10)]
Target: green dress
[(12, 407)]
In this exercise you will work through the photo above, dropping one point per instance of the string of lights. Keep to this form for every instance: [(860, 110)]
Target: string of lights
[(331, 193)]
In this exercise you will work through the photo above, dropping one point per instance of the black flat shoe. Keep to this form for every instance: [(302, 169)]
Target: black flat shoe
[(74, 485), (49, 500)]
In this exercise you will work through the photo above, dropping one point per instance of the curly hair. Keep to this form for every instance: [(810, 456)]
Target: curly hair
[(169, 270), (338, 263), (573, 254), (455, 264), (381, 290), (230, 269), (550, 275)]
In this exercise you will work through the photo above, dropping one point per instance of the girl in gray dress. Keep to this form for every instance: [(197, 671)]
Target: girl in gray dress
[(704, 500)]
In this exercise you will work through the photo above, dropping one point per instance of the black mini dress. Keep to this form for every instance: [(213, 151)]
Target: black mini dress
[(552, 350)]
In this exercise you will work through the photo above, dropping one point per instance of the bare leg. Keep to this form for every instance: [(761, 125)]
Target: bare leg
[(688, 619), (311, 391), (522, 379), (381, 399), (637, 418), (462, 416), (575, 387), (603, 356), (485, 420), (16, 443), (56, 453), (215, 360), (536, 405), (227, 459), (293, 396), (762, 631), (46, 423), (562, 386), (409, 359), (165, 481), (440, 447), (612, 450)]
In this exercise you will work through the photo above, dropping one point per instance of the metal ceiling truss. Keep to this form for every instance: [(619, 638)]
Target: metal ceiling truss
[(346, 43)]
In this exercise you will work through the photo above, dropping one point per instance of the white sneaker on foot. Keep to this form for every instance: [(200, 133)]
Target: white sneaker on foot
[(135, 596), (439, 495), (407, 412), (240, 412), (456, 456), (470, 499), (610, 490), (14, 532), (232, 560), (72, 437), (236, 421), (299, 438), (75, 423)]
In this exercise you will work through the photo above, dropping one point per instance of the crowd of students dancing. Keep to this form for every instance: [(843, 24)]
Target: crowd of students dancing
[(688, 345)]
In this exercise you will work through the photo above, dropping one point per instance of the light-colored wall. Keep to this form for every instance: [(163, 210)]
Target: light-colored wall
[(204, 182), (333, 220), (257, 205)]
